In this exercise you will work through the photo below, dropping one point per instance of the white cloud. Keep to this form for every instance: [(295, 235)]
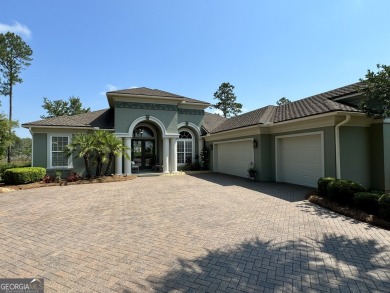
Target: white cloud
[(220, 113), (216, 111), (16, 28), (109, 88)]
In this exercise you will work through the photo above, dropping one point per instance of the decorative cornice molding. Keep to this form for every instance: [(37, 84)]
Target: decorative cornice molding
[(145, 106), (190, 111)]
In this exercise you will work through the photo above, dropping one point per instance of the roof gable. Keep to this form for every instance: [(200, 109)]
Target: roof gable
[(153, 93)]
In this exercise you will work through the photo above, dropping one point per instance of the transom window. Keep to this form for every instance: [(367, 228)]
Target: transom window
[(143, 131), (184, 147), (185, 134), (58, 157)]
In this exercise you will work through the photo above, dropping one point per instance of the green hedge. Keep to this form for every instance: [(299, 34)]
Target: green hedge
[(23, 175), (323, 185), (4, 167), (342, 191), (384, 206), (367, 202)]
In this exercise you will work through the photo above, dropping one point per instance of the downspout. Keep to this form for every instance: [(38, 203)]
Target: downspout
[(337, 138)]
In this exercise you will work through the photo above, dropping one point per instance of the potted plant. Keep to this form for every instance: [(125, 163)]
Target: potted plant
[(252, 170)]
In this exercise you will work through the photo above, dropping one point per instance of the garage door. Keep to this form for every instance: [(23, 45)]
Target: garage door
[(234, 157), (300, 159)]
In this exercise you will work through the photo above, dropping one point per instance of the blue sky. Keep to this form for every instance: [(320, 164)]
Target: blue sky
[(266, 49)]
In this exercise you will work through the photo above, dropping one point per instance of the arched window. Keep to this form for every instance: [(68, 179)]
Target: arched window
[(184, 147)]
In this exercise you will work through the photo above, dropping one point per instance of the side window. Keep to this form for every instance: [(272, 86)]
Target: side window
[(57, 156)]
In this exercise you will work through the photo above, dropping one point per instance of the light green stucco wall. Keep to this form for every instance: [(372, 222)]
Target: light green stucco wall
[(377, 157), (40, 155), (264, 150), (124, 117), (196, 119), (380, 156), (40, 150), (169, 115), (355, 154)]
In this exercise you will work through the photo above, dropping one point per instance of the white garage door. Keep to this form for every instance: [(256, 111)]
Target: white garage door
[(300, 159), (234, 157)]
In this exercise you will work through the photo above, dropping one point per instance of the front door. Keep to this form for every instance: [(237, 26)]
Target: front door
[(142, 152)]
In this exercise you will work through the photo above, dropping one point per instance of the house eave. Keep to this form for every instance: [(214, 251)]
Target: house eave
[(297, 120), (333, 113), (29, 126), (347, 96)]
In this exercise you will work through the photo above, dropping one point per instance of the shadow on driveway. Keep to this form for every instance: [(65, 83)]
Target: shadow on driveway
[(284, 191), (332, 263)]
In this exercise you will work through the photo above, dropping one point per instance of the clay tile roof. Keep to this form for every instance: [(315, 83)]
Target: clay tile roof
[(259, 116), (307, 107), (104, 119), (314, 105), (144, 91), (211, 121), (342, 91)]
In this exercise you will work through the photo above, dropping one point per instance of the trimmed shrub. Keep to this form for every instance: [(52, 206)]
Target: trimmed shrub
[(24, 175), (384, 206), (367, 202), (342, 191), (322, 184), (4, 167)]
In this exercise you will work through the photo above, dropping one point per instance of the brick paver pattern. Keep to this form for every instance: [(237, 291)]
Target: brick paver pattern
[(202, 233)]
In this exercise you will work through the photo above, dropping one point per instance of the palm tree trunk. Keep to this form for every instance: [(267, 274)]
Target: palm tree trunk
[(87, 167), (99, 165), (109, 163)]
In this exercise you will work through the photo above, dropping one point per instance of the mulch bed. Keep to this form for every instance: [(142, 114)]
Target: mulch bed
[(103, 179), (347, 211)]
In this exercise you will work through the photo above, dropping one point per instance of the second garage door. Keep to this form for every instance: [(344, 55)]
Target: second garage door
[(300, 159), (234, 157)]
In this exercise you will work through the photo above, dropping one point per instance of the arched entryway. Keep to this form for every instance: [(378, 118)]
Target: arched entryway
[(148, 136), (144, 146)]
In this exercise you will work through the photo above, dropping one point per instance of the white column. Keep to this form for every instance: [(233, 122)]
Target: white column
[(166, 155), (200, 148), (128, 160), (173, 155), (118, 164)]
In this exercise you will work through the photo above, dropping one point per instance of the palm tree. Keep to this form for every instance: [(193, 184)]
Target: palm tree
[(115, 147), (83, 145), (101, 145)]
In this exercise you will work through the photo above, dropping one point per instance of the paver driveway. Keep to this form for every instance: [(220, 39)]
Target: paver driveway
[(209, 232)]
